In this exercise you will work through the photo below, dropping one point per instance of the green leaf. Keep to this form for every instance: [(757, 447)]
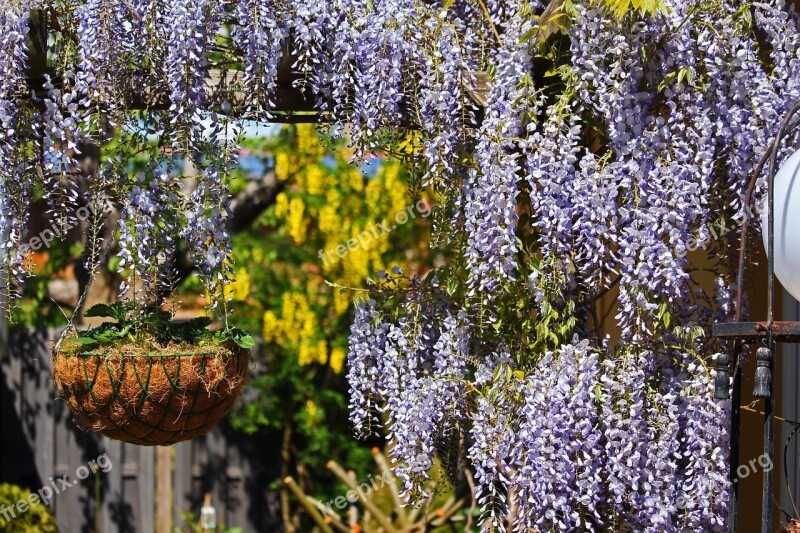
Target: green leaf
[(240, 337), (530, 34), (99, 310), (200, 322), (245, 341), (118, 310), (84, 340), (452, 286)]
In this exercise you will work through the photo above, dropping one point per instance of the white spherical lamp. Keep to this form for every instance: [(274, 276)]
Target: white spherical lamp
[(786, 223)]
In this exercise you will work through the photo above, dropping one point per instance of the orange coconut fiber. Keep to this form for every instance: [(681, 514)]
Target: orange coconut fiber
[(151, 398)]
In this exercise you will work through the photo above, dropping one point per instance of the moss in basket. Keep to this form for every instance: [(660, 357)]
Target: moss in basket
[(142, 331)]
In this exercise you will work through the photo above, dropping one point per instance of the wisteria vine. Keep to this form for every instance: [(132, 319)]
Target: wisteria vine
[(575, 153)]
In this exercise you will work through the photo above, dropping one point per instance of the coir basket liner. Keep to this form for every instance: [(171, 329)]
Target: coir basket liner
[(151, 399)]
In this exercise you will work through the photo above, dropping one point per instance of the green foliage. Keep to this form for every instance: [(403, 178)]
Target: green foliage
[(35, 308), (37, 519), (128, 325), (620, 8)]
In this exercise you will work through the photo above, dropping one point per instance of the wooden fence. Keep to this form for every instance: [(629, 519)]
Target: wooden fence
[(40, 441)]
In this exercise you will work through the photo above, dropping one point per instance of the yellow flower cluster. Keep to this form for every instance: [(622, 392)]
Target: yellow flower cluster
[(239, 288), (331, 202), (298, 328)]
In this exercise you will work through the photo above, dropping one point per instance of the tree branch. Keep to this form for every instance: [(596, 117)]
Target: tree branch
[(251, 202)]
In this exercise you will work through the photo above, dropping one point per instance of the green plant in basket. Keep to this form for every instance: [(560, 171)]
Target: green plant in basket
[(153, 327), (141, 377), (146, 379)]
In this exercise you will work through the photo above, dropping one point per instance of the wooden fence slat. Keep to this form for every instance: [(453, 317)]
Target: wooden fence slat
[(146, 488)]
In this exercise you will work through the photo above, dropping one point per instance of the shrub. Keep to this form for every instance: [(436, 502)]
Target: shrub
[(37, 519)]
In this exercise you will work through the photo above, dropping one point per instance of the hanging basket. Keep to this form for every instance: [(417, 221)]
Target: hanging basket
[(153, 398)]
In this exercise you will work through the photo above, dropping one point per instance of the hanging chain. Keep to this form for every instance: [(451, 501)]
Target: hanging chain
[(98, 222)]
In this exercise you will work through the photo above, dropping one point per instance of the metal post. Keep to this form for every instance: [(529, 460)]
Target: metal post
[(768, 331), (733, 459), (769, 447)]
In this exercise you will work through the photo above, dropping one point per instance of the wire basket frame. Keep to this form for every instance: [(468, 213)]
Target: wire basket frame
[(151, 399)]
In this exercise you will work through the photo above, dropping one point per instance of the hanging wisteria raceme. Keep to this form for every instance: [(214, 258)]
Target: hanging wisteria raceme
[(493, 438), (444, 103), (591, 449), (704, 446), (148, 30), (783, 33), (208, 212), (367, 342), (205, 229), (609, 72), (14, 184), (428, 404), (101, 30), (260, 35), (557, 484), (193, 27), (388, 53), (573, 199), (148, 230), (326, 50), (489, 198), (61, 135), (747, 106)]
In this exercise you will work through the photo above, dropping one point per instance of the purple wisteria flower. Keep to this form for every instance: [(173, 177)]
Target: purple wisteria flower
[(260, 34), (596, 166), (15, 182)]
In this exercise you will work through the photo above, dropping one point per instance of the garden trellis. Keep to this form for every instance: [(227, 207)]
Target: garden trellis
[(608, 143)]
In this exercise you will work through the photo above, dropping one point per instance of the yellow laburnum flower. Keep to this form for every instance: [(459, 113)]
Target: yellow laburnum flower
[(304, 354), (271, 327), (281, 205), (308, 143), (308, 322), (329, 221), (313, 180), (395, 187), (337, 359), (312, 352), (239, 288), (354, 179), (375, 197), (355, 265), (333, 198), (282, 165), (296, 223), (297, 319), (313, 413), (321, 355), (341, 302)]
